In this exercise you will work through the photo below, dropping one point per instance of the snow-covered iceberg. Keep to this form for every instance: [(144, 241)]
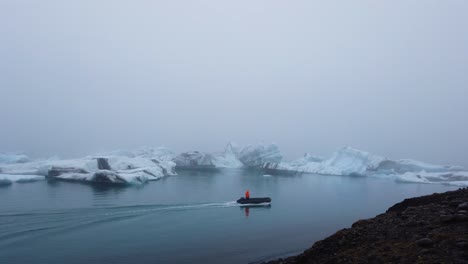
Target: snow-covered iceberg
[(119, 167), (349, 161), (259, 154), (233, 157), (201, 160), (113, 169)]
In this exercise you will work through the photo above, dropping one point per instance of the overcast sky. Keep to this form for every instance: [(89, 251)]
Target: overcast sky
[(389, 77)]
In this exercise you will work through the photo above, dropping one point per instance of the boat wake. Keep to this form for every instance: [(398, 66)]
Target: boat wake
[(15, 227)]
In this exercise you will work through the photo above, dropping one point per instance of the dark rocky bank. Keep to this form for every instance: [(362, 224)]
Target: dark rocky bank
[(427, 229)]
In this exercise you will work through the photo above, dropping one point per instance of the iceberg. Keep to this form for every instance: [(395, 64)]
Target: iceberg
[(259, 154), (8, 179), (229, 158), (195, 159), (119, 167), (349, 161), (201, 160), (233, 157), (112, 170)]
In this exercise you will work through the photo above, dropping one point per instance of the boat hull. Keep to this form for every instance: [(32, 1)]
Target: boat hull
[(263, 200)]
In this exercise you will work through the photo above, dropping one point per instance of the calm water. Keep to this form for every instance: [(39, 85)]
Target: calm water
[(189, 218)]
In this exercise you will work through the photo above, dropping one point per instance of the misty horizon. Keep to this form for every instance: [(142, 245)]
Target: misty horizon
[(86, 77)]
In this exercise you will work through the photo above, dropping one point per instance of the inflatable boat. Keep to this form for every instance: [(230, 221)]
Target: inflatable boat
[(262, 200)]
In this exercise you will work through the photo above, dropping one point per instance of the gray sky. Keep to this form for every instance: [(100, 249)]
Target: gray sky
[(389, 77)]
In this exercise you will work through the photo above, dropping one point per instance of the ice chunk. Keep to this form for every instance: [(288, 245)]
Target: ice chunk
[(7, 179), (459, 178), (407, 165)]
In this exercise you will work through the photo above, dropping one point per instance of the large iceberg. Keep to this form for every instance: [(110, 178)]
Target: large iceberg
[(259, 154), (119, 167), (349, 161), (113, 169), (201, 160), (233, 157)]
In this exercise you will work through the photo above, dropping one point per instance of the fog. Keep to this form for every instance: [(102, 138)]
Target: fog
[(388, 77)]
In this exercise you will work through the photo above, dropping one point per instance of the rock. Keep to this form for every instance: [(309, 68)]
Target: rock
[(455, 203), (425, 251), (462, 245), (438, 233), (460, 218), (446, 218), (425, 242), (463, 206)]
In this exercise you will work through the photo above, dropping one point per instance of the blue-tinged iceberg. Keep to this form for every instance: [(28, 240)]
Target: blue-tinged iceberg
[(233, 157), (119, 167), (259, 154), (8, 179), (349, 161)]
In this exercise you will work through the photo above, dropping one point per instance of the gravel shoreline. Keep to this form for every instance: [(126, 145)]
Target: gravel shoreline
[(426, 229)]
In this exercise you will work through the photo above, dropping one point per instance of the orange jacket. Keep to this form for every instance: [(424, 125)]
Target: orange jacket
[(247, 194)]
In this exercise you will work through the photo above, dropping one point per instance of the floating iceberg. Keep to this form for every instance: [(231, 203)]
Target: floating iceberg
[(195, 159), (257, 155), (349, 161), (232, 157), (200, 160), (8, 179), (114, 168)]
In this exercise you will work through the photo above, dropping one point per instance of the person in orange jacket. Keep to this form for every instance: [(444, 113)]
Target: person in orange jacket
[(247, 194)]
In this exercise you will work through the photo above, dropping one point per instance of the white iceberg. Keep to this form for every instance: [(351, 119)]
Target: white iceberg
[(228, 159), (259, 154), (232, 157), (349, 161), (129, 168), (113, 169)]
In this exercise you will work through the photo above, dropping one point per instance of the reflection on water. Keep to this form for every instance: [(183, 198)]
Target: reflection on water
[(247, 208)]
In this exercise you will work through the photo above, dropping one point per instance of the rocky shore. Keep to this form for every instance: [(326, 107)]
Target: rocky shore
[(427, 229)]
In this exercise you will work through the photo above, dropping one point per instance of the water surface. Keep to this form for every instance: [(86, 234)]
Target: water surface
[(189, 218)]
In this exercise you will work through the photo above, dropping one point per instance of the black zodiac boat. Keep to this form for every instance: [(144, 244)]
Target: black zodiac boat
[(262, 200)]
